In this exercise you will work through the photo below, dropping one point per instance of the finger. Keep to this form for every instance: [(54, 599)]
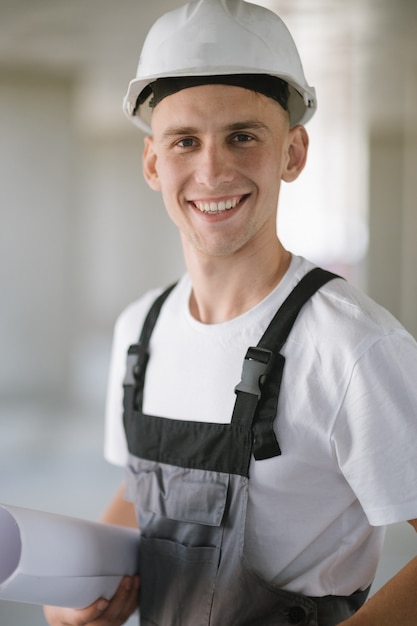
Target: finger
[(101, 612), (125, 600), (89, 615), (57, 616)]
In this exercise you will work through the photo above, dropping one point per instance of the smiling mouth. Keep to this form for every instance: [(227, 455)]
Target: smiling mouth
[(211, 207)]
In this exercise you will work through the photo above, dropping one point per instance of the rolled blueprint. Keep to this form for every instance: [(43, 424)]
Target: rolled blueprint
[(62, 561)]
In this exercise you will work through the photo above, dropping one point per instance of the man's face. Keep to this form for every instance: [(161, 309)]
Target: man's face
[(218, 155)]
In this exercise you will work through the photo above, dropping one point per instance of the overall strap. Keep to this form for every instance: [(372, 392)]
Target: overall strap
[(152, 316), (138, 354), (281, 324), (258, 391)]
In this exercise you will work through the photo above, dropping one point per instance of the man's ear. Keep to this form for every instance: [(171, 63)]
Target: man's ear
[(297, 148), (150, 171)]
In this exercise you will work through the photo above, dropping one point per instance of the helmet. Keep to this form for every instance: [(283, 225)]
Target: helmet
[(220, 37)]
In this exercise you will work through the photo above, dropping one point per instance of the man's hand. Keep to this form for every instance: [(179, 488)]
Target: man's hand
[(102, 612)]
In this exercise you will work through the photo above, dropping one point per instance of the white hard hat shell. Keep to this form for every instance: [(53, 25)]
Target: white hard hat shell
[(220, 37)]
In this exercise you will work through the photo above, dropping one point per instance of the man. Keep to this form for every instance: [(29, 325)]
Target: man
[(262, 491)]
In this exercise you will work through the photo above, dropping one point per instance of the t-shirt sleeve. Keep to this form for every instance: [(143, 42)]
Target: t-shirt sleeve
[(375, 433)]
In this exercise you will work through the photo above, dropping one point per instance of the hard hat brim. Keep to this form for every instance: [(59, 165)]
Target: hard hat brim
[(301, 105)]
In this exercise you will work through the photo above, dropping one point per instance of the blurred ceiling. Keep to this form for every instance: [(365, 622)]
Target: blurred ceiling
[(367, 46)]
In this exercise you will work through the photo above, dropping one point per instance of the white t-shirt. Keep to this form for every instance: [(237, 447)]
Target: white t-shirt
[(346, 424)]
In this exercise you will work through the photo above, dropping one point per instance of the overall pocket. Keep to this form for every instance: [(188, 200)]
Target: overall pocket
[(180, 513), (177, 583), (177, 493)]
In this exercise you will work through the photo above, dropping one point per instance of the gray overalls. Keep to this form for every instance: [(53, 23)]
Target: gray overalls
[(189, 483)]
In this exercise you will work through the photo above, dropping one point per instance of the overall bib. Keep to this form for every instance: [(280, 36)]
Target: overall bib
[(189, 483)]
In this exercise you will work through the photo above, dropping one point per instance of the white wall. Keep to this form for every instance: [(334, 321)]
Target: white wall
[(392, 254), (36, 182), (81, 236)]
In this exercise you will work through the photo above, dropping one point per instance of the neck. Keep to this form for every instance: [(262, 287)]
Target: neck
[(225, 287)]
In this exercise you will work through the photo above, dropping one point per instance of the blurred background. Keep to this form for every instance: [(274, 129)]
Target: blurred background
[(81, 235)]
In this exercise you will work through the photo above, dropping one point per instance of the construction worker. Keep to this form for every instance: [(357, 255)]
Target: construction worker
[(265, 410)]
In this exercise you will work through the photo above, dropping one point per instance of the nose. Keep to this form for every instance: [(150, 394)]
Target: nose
[(214, 166)]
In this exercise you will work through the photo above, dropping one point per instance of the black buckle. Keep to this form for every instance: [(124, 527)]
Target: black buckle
[(256, 365), (137, 358)]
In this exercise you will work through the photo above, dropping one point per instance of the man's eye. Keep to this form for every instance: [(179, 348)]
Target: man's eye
[(187, 142), (242, 138)]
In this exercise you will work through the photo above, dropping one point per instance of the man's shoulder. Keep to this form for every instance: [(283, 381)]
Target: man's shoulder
[(349, 306), (138, 309), (342, 317), (134, 314)]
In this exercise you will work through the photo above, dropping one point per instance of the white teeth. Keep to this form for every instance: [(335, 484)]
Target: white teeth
[(217, 207)]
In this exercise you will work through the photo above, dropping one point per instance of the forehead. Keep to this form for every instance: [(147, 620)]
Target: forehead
[(216, 105)]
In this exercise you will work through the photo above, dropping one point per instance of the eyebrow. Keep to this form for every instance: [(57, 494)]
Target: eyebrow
[(176, 131), (248, 125)]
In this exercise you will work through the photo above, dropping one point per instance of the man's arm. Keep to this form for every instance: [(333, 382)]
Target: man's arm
[(103, 612), (394, 603), (120, 511)]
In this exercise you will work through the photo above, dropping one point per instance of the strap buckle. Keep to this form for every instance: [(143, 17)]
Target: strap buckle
[(137, 358), (256, 365)]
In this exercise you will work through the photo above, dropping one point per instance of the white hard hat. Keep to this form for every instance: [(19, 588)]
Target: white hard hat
[(220, 37)]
